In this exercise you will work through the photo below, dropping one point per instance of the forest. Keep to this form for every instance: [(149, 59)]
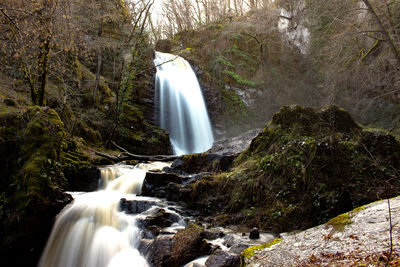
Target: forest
[(297, 138)]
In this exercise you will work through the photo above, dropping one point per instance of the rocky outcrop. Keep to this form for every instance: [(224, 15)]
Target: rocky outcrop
[(32, 143), (358, 238), (307, 166)]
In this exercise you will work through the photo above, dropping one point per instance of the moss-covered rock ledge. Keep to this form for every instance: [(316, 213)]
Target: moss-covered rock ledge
[(306, 167), (32, 141)]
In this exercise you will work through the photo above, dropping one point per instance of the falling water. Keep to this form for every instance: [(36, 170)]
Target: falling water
[(92, 231), (182, 110)]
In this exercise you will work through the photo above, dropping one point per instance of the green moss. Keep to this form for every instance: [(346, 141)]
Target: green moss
[(339, 222), (249, 252), (138, 136), (31, 145), (356, 210)]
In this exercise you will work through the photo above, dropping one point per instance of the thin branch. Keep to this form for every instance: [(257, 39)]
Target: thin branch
[(390, 233), (9, 18), (156, 66)]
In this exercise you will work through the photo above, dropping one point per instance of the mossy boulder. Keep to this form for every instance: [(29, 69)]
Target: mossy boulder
[(307, 166), (309, 121), (31, 148), (138, 136)]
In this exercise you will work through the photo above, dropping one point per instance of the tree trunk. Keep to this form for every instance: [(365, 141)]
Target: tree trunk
[(98, 71), (99, 56), (44, 69)]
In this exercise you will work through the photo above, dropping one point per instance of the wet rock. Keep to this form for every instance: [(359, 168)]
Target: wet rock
[(254, 233), (185, 246), (135, 206), (161, 218), (159, 251), (156, 181), (84, 178), (151, 232), (222, 258), (213, 234)]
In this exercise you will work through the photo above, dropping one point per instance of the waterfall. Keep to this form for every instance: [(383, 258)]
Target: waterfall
[(91, 231), (182, 111)]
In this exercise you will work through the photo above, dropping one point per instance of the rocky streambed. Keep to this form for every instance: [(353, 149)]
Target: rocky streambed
[(171, 235)]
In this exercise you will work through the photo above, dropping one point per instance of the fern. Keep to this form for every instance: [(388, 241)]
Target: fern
[(239, 79), (222, 61)]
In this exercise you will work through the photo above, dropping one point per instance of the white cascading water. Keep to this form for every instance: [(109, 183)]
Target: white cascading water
[(182, 110), (91, 231)]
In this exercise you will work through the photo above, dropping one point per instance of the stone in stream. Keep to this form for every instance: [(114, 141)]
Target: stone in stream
[(135, 206), (254, 233), (222, 258), (157, 181), (185, 246)]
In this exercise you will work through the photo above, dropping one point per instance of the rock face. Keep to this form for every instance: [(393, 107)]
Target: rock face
[(234, 145), (358, 238), (31, 151)]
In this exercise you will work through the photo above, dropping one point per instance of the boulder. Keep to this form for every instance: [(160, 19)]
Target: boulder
[(185, 246), (155, 183), (254, 233), (222, 258), (160, 218)]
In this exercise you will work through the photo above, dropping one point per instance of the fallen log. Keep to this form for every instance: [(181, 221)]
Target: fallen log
[(129, 156)]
